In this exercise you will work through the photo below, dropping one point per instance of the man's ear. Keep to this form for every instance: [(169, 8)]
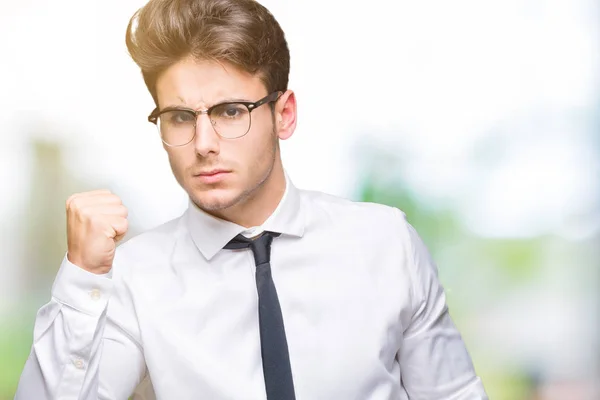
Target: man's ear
[(286, 115)]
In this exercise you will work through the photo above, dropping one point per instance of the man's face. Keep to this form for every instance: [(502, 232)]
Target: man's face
[(245, 163)]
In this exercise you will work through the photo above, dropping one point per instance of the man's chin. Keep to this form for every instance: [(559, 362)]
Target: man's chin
[(210, 201)]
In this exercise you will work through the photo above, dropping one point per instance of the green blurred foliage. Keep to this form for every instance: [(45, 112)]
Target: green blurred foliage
[(15, 344)]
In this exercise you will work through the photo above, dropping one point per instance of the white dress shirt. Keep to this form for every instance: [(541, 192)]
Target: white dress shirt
[(365, 315)]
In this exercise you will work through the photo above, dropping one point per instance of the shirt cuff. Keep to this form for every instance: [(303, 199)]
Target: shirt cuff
[(82, 290)]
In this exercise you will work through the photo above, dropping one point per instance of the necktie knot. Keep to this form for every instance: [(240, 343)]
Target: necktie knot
[(260, 246)]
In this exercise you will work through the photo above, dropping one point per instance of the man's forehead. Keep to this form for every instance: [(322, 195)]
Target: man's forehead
[(205, 83)]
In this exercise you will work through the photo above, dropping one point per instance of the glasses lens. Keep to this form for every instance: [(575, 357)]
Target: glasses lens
[(177, 127), (231, 120)]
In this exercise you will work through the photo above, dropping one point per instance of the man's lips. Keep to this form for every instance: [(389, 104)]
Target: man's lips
[(212, 172), (212, 176)]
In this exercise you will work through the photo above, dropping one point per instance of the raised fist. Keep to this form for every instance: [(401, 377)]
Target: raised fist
[(96, 221)]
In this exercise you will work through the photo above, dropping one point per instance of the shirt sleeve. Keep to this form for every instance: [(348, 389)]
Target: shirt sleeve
[(433, 358), (84, 341)]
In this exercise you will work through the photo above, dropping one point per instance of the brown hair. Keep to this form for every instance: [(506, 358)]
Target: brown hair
[(241, 32)]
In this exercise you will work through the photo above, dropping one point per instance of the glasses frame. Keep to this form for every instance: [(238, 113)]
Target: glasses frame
[(156, 113)]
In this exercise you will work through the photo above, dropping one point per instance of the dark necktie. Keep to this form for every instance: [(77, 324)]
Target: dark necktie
[(273, 344)]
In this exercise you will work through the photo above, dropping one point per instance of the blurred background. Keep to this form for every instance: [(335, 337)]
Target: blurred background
[(479, 119)]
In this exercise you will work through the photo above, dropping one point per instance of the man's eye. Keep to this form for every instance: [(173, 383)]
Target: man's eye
[(230, 111), (179, 117)]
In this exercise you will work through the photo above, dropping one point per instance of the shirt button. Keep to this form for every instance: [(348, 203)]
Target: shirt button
[(78, 362), (95, 294)]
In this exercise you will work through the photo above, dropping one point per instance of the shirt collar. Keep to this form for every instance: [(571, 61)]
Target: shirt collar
[(211, 234)]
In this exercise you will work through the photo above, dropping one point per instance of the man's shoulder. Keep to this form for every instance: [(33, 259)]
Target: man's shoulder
[(374, 225), (338, 206)]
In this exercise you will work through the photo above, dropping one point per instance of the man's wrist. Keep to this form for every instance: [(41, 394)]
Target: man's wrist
[(77, 261), (82, 290)]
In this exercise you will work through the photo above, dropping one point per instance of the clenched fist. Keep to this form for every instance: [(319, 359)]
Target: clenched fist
[(96, 221)]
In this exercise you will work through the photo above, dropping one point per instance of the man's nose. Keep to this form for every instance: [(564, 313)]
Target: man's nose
[(207, 139)]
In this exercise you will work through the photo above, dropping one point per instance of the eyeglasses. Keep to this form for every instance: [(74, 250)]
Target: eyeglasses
[(230, 120)]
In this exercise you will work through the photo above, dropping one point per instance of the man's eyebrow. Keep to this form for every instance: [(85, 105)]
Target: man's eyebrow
[(227, 100), (234, 99), (176, 107)]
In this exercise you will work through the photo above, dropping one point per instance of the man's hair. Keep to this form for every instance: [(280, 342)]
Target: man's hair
[(241, 32)]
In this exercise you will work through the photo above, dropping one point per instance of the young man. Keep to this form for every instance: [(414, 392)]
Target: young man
[(259, 290)]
